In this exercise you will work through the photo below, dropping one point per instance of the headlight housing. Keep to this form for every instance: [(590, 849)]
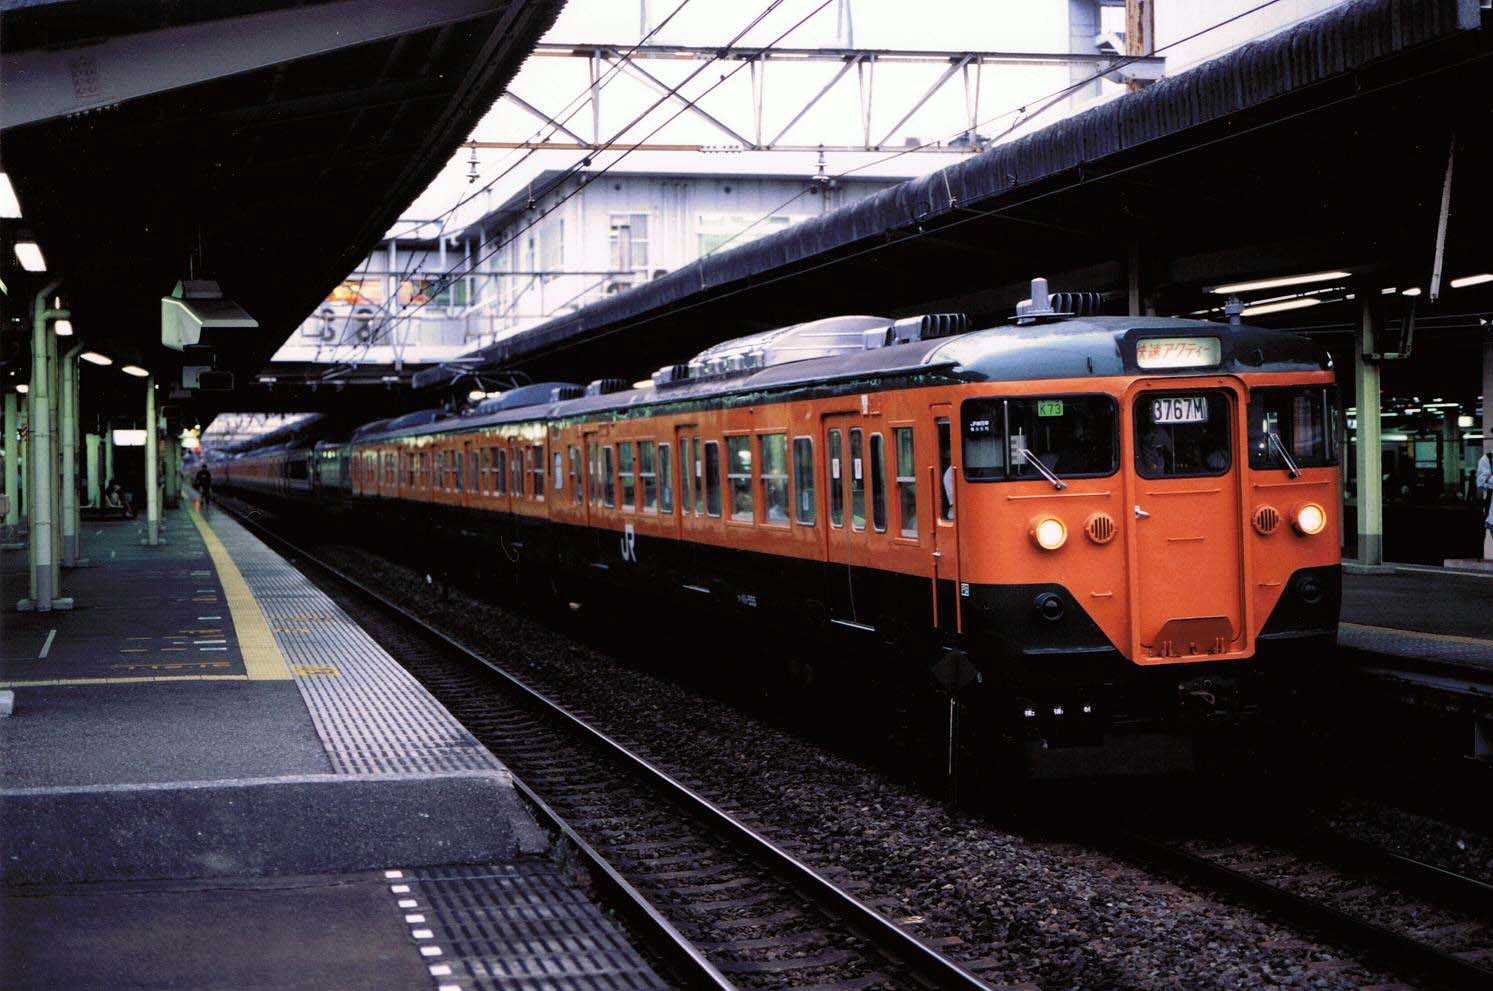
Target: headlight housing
[(1309, 519), (1049, 533)]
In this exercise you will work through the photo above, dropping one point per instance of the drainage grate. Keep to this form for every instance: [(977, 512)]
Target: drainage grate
[(371, 716), (507, 926)]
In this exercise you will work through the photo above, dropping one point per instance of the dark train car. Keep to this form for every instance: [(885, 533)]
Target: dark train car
[(1111, 517)]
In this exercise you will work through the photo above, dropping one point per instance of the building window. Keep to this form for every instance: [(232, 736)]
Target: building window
[(729, 230), (552, 248), (665, 480), (629, 241), (878, 484), (648, 475), (712, 480), (774, 477), (625, 472), (907, 481), (803, 480)]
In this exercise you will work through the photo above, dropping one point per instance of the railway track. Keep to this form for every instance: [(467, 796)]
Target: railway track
[(1415, 918), (725, 906)]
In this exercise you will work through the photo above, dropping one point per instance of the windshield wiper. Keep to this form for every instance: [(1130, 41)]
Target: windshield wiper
[(1280, 448), (1043, 470)]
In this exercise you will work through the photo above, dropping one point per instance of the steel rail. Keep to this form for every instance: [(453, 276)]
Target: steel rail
[(1377, 942), (899, 945)]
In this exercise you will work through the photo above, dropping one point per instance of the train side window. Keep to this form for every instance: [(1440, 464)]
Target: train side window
[(559, 470), (425, 469), (712, 469), (483, 474), (648, 475), (739, 471), (945, 469), (471, 468), (500, 469), (665, 479), (857, 480), (516, 470), (577, 485), (536, 470), (878, 483), (907, 481), (836, 474), (593, 471), (458, 470), (803, 480), (686, 476), (774, 478), (625, 470), (700, 482), (608, 478)]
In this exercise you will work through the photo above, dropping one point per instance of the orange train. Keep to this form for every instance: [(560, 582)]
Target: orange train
[(1101, 520)]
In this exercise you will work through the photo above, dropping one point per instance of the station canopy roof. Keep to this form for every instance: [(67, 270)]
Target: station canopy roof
[(266, 146)]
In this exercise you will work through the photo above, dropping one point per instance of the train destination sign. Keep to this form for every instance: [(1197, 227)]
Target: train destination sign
[(1179, 409), (1177, 352)]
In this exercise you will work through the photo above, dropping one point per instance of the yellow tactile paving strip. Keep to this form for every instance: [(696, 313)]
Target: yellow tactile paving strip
[(263, 660)]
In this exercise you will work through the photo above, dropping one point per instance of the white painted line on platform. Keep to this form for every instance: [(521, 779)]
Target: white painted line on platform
[(209, 617), (212, 648), (393, 875), (414, 918), (399, 889), (47, 647), (408, 903), (225, 641), (422, 933), (440, 970), (430, 951)]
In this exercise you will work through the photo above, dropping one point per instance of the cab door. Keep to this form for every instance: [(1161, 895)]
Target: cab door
[(1188, 597), (845, 469)]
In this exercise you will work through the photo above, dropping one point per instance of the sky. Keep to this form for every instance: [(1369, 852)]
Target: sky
[(1005, 95)]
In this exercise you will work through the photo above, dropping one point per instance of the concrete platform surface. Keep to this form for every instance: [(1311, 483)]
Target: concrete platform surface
[(1423, 614)]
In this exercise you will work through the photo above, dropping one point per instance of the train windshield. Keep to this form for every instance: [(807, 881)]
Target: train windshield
[(1182, 434), (1293, 427), (1071, 436)]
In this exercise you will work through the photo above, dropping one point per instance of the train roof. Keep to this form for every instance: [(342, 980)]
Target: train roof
[(1061, 348)]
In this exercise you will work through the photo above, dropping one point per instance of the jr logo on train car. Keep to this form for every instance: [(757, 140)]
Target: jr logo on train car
[(1178, 352)]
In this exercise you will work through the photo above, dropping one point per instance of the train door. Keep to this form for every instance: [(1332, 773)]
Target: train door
[(1185, 521), (943, 477), (845, 488)]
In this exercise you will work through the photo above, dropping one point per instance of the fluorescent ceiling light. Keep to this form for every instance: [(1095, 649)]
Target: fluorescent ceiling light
[(128, 438), (1388, 292), (10, 207), (1412, 291), (1285, 280), (64, 328), (476, 396), (1472, 280), (23, 388), (1290, 304), (134, 370), (28, 253), (1464, 422), (93, 357)]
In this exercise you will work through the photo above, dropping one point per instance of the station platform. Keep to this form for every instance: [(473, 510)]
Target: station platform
[(1427, 615), (213, 778)]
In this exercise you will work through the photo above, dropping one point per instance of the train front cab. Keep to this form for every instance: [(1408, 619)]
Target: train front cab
[(1168, 541)]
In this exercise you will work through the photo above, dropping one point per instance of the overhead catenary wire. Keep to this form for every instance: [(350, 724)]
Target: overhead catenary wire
[(1046, 102), (590, 177)]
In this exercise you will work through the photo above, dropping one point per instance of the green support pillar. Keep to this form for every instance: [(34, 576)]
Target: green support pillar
[(45, 576), (152, 466), (12, 471), (68, 403), (1369, 459), (93, 450)]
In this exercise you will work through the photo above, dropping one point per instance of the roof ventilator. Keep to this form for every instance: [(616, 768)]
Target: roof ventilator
[(928, 326), (560, 393), (602, 387), (1042, 306), (670, 375)]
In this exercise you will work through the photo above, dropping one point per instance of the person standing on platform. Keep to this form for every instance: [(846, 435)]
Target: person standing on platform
[(203, 482), (1485, 487)]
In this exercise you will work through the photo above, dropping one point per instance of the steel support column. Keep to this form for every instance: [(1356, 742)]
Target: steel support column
[(68, 400), (1368, 459), (42, 462), (12, 475), (1488, 430), (108, 455), (152, 466), (93, 451)]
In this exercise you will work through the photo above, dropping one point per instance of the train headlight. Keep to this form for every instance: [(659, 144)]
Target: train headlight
[(1049, 533), (1309, 519)]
